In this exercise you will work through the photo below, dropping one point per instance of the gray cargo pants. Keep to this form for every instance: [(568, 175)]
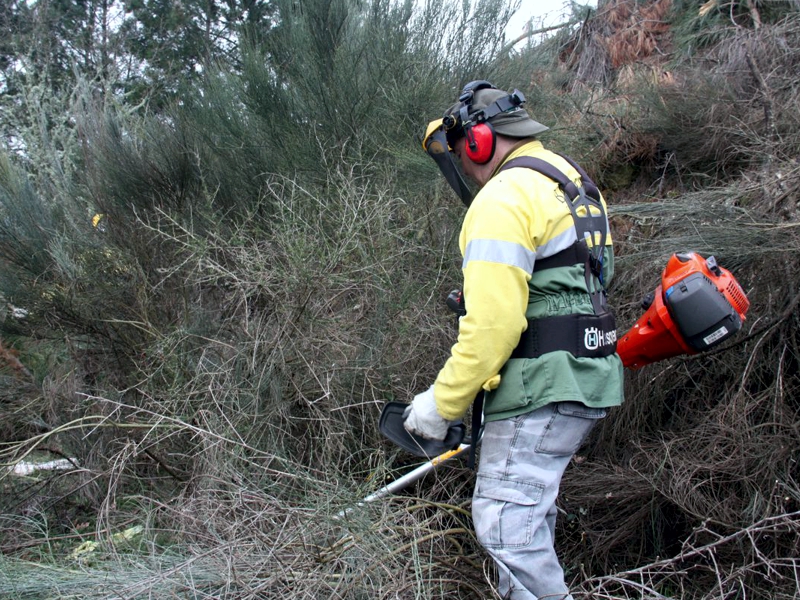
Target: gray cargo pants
[(514, 505)]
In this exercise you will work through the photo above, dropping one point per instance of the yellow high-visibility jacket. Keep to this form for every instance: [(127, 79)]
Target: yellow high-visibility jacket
[(520, 216)]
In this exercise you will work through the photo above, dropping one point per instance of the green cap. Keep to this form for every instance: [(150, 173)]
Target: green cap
[(515, 123)]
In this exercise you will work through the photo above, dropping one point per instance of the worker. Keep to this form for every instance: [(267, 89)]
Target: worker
[(538, 338)]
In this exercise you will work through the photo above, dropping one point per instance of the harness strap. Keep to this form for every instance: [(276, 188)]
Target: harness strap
[(576, 254), (476, 428), (591, 222), (583, 336), (587, 181)]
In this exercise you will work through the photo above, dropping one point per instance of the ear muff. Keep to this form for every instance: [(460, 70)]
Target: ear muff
[(481, 141)]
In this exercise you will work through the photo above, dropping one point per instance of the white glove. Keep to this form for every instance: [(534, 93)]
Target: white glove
[(422, 418)]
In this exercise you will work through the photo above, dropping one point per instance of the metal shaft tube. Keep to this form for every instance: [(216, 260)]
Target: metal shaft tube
[(415, 475)]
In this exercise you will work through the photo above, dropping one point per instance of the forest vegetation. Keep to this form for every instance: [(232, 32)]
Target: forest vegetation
[(222, 250)]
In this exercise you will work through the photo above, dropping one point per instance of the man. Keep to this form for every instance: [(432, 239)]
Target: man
[(537, 335)]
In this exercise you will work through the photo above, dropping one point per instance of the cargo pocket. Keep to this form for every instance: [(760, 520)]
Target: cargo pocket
[(570, 424), (503, 511)]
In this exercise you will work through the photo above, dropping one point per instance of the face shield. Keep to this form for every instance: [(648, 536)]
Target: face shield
[(435, 144)]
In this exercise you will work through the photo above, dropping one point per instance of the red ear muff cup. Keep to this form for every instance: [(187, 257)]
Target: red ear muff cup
[(480, 143)]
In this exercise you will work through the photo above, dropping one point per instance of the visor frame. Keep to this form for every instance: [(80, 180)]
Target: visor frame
[(438, 147)]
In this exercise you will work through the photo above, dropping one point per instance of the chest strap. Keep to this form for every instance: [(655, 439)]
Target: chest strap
[(577, 254)]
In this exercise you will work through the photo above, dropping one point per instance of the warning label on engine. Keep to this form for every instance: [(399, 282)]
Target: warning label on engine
[(715, 336)]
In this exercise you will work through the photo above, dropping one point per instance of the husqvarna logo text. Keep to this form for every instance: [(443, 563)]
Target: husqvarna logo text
[(594, 338)]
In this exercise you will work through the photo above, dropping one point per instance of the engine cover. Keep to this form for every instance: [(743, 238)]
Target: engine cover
[(697, 306)]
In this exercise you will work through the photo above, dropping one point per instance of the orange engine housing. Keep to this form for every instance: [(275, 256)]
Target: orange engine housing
[(697, 306)]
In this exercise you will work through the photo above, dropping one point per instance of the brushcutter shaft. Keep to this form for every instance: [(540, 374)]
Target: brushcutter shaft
[(409, 478), (415, 475)]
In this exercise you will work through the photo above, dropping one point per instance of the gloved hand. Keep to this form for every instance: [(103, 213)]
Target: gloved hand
[(422, 418)]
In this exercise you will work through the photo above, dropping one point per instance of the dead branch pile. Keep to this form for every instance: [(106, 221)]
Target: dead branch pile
[(695, 480), (623, 32)]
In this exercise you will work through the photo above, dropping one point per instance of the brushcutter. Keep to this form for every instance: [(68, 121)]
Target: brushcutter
[(697, 306)]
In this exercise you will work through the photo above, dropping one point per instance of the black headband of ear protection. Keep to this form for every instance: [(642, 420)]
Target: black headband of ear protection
[(456, 126)]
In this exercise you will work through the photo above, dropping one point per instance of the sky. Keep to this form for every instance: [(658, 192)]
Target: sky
[(543, 12)]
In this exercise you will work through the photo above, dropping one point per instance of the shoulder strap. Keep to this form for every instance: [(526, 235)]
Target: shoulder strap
[(588, 224), (586, 195)]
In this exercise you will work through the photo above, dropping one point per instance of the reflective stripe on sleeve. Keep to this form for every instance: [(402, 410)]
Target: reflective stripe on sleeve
[(557, 244), (497, 251)]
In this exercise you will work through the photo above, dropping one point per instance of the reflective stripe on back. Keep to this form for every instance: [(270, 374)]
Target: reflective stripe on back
[(498, 251)]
